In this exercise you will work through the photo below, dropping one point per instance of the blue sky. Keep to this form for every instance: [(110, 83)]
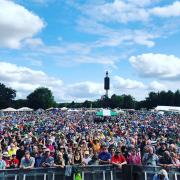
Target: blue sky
[(67, 45)]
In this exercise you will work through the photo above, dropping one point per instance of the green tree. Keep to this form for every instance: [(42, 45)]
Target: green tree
[(116, 101), (41, 98), (86, 104), (6, 96), (19, 103), (152, 100), (177, 98), (128, 102)]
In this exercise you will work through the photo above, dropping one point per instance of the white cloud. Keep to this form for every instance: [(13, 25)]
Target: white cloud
[(172, 10), (116, 11), (121, 83), (110, 37), (157, 65), (25, 80), (124, 11), (85, 90), (17, 24), (142, 3), (157, 86)]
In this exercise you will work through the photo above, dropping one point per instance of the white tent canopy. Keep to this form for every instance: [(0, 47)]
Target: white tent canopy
[(9, 109), (73, 110), (168, 108), (64, 108), (40, 110), (25, 109), (52, 108), (119, 111)]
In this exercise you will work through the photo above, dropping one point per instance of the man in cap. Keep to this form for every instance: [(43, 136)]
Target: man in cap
[(47, 160), (6, 158), (86, 158)]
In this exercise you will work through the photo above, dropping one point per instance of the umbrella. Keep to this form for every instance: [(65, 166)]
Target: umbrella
[(106, 112)]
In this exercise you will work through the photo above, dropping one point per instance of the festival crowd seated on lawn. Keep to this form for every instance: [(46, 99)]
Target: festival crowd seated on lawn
[(59, 138)]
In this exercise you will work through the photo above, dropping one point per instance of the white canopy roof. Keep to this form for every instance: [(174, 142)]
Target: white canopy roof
[(73, 110), (40, 110), (64, 108), (52, 108), (168, 108), (25, 109), (9, 109)]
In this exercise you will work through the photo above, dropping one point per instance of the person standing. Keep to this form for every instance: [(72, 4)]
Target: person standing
[(27, 162), (118, 159), (150, 158), (47, 160), (104, 156), (134, 157), (20, 153), (14, 162), (2, 163), (59, 161)]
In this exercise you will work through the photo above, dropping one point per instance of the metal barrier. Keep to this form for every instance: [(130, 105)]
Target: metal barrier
[(105, 172), (147, 172)]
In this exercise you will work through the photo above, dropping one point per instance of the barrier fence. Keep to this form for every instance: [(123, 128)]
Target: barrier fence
[(107, 172)]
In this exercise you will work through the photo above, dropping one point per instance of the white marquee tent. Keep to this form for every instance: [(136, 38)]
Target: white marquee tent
[(64, 109), (26, 109), (9, 109), (168, 108)]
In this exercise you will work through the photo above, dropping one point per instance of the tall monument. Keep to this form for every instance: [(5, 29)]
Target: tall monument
[(106, 83)]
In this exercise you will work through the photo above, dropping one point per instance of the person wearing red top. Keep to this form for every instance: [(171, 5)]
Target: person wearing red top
[(118, 159), (14, 162)]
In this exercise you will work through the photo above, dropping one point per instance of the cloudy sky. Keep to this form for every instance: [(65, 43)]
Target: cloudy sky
[(67, 45)]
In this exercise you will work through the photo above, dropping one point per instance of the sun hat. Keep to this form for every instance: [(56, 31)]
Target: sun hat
[(5, 154), (86, 152)]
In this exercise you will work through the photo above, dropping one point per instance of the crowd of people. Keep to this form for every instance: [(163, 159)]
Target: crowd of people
[(58, 138)]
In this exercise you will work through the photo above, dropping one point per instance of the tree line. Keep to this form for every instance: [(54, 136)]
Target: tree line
[(43, 98)]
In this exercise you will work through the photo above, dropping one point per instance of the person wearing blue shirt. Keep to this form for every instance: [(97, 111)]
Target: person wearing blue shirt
[(47, 160), (104, 156)]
